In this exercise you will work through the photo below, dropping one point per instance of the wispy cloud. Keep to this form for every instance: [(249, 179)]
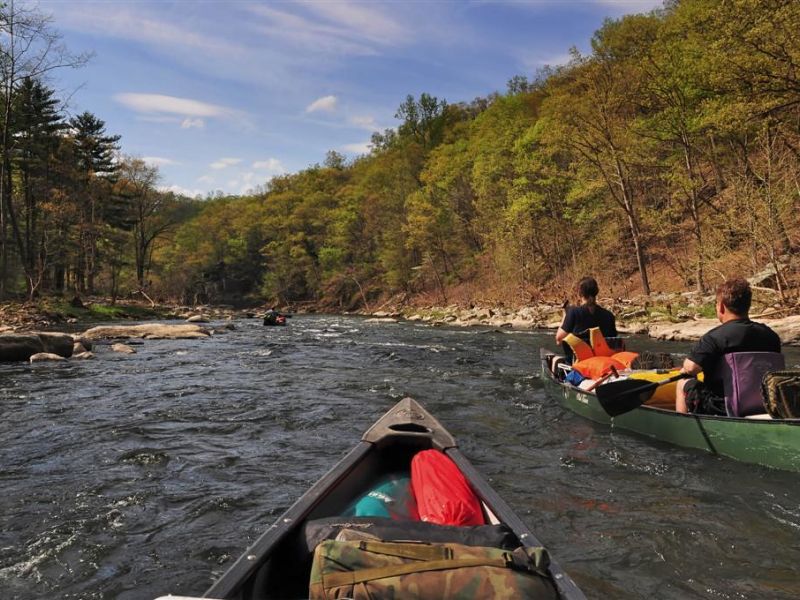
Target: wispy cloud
[(361, 148), (205, 179), (338, 28), (159, 103), (159, 161), (324, 104), (126, 22), (365, 122), (224, 163), (271, 165), (360, 19), (192, 123)]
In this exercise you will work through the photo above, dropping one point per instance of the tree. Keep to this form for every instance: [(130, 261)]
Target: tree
[(423, 119), (30, 49), (95, 152), (149, 214)]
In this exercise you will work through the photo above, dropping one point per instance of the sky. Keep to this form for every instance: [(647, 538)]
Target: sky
[(224, 95)]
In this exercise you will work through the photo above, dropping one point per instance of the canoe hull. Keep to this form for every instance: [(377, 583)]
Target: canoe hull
[(771, 443)]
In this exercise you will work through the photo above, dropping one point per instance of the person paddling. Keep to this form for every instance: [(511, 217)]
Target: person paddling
[(737, 333), (579, 319), (272, 317)]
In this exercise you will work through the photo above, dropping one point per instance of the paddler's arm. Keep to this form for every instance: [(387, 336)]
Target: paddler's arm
[(690, 367), (561, 332)]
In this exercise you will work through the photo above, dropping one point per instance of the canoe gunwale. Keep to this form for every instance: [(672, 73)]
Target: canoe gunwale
[(258, 552)]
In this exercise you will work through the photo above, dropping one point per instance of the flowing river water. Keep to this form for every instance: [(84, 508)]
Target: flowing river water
[(134, 476)]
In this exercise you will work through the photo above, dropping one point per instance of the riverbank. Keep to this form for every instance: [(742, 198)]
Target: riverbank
[(674, 317), (51, 313)]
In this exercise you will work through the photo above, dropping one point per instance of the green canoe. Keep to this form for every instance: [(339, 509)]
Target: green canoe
[(769, 442)]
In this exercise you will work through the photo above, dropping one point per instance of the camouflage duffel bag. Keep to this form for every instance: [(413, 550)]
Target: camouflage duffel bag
[(373, 569), (781, 392)]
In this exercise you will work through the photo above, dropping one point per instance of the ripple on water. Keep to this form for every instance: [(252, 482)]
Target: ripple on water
[(134, 476)]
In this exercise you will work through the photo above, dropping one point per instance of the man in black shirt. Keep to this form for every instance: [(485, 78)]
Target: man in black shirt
[(736, 334)]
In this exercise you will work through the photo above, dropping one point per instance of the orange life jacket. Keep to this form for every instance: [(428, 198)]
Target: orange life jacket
[(581, 349), (597, 366), (599, 349), (599, 344)]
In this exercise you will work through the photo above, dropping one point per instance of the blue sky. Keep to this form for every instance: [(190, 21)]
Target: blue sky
[(223, 95)]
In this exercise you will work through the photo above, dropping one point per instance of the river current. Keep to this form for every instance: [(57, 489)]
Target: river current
[(134, 476)]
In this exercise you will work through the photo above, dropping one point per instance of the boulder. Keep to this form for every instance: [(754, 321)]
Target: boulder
[(78, 348), (788, 328), (83, 355), (14, 347), (197, 319), (152, 331), (681, 332), (44, 356), (124, 348)]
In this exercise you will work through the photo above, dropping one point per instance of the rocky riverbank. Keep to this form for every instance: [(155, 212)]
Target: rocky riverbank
[(677, 317)]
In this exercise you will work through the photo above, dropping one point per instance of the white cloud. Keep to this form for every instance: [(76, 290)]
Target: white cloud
[(159, 103), (205, 179), (224, 163), (362, 20), (271, 165), (189, 123), (365, 122), (177, 189), (115, 20), (326, 104), (362, 148), (631, 5), (554, 60), (159, 161)]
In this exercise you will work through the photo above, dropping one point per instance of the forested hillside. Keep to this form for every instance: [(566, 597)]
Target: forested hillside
[(666, 158)]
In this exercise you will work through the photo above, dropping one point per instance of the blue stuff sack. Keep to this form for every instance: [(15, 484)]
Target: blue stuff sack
[(574, 378), (391, 497)]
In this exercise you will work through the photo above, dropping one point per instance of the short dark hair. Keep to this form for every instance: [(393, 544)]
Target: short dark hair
[(587, 287), (736, 295)]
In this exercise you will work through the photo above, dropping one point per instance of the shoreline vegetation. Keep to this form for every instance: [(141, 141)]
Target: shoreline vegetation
[(663, 160), (669, 316)]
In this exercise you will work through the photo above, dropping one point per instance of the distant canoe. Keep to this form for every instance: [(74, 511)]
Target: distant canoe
[(763, 441), (387, 447)]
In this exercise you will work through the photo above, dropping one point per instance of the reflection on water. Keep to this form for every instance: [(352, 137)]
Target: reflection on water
[(132, 476)]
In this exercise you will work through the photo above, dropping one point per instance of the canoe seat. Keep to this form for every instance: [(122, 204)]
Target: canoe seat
[(742, 373), (759, 416)]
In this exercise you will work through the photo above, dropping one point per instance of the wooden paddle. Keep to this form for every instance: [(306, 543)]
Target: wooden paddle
[(620, 397)]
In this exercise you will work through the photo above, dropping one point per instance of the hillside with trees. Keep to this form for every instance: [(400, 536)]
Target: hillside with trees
[(665, 159)]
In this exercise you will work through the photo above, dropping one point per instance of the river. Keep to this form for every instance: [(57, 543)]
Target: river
[(134, 476)]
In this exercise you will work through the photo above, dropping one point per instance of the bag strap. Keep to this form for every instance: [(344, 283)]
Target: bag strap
[(352, 577), (410, 550)]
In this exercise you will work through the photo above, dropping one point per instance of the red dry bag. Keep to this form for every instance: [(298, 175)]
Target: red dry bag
[(443, 494)]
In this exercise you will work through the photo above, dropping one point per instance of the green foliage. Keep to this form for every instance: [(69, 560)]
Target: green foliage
[(675, 141)]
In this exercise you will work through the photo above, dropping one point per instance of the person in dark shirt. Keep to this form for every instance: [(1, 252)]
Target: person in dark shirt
[(579, 319), (737, 333)]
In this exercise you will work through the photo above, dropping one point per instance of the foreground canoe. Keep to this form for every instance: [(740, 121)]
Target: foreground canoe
[(768, 442), (387, 447)]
